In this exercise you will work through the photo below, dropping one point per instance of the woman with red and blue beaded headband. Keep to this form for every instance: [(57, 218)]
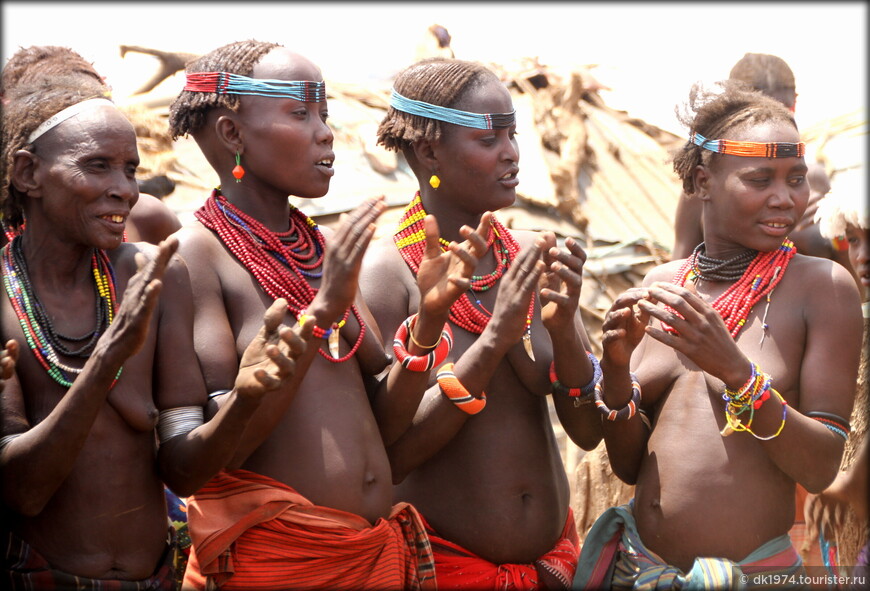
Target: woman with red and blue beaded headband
[(481, 462), (107, 404), (314, 451), (744, 355)]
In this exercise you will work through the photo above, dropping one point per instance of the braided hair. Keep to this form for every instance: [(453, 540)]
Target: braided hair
[(713, 114), (29, 103), (438, 81), (188, 112)]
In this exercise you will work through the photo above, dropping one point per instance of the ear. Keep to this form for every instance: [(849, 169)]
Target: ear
[(701, 177), (25, 173), (424, 151), (228, 133)]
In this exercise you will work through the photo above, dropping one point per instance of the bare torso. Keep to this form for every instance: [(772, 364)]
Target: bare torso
[(326, 445)]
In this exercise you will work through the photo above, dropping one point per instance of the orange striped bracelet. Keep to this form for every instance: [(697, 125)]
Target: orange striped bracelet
[(456, 392)]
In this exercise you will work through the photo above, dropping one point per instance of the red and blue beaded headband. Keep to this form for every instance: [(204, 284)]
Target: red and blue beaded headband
[(306, 91), (448, 115), (750, 149)]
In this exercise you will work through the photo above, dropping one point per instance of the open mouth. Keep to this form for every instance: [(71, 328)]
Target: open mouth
[(326, 162), (115, 219)]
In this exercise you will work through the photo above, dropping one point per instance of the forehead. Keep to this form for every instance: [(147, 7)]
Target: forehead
[(488, 96), (283, 64), (95, 127), (767, 131)]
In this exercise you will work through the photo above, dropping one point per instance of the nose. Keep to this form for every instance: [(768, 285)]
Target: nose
[(124, 187), (784, 196), (510, 150), (324, 134)]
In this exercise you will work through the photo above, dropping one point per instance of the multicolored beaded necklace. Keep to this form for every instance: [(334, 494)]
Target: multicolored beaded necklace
[(280, 261), (410, 239), (763, 272), (43, 339)]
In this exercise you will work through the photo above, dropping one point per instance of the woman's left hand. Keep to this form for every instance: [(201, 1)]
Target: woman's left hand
[(701, 333), (560, 283)]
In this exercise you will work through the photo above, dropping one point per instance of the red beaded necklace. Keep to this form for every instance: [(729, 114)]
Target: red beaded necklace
[(279, 261), (410, 239), (758, 281)]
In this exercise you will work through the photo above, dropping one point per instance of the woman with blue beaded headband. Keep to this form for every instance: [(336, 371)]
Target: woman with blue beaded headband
[(480, 461), (314, 452), (744, 356), (106, 401)]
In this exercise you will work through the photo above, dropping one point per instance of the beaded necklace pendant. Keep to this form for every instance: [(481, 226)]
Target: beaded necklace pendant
[(282, 262), (44, 341), (467, 312), (762, 274)]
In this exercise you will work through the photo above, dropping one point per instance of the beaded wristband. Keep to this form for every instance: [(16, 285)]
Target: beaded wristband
[(421, 362), (624, 413), (456, 392), (735, 424), (581, 395)]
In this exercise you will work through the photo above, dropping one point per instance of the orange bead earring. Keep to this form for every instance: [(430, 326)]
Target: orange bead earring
[(238, 171)]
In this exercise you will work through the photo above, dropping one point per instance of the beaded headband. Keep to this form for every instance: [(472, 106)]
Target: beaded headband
[(750, 149), (306, 91), (448, 115), (68, 113)]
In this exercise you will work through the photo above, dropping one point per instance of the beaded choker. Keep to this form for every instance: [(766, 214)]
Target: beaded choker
[(410, 239), (280, 262), (710, 269), (306, 91), (448, 115), (758, 279), (750, 149), (43, 339)]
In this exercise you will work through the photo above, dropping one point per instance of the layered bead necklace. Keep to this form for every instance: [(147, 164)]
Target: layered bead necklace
[(755, 275), (280, 261), (410, 239), (43, 339)]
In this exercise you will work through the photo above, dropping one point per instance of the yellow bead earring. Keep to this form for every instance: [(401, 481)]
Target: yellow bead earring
[(434, 181)]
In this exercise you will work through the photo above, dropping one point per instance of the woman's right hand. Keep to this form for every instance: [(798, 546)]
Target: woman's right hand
[(8, 359), (342, 261), (623, 327)]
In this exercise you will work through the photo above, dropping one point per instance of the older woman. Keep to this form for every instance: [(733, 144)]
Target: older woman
[(745, 357), (111, 368)]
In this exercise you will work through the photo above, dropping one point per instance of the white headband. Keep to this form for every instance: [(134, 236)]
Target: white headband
[(65, 114)]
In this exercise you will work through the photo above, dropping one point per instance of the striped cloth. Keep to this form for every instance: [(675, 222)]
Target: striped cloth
[(458, 568), (614, 557), (25, 568), (251, 532)]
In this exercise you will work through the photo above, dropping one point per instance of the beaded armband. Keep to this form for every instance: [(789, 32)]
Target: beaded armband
[(582, 395), (456, 392), (422, 362), (624, 413), (735, 424), (834, 423), (323, 333)]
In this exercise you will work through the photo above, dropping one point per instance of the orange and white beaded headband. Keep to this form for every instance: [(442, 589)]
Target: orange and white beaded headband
[(750, 149), (65, 114)]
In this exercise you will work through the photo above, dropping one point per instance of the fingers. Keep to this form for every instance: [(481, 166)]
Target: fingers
[(433, 235), (8, 358), (274, 315)]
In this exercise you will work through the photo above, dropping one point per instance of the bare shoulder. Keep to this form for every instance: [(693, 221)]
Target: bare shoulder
[(664, 272), (151, 220), (824, 283)]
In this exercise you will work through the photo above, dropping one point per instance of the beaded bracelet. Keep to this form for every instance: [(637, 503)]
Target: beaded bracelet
[(422, 362), (323, 333), (834, 423), (736, 425), (624, 413), (581, 395), (456, 392)]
